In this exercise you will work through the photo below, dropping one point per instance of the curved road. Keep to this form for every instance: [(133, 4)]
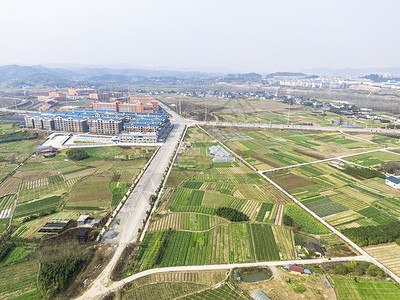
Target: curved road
[(112, 287)]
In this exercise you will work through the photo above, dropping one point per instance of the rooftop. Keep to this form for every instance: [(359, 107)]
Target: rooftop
[(393, 179)]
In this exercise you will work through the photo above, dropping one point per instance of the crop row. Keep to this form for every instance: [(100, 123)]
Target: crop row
[(34, 184), (264, 242), (263, 210), (306, 221), (222, 293), (186, 197)]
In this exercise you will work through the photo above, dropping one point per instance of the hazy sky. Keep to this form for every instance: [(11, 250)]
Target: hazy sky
[(244, 35)]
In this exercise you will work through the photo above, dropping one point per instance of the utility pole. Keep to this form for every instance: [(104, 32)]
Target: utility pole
[(288, 114), (205, 110)]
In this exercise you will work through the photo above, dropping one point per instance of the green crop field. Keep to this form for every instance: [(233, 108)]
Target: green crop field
[(365, 289), (374, 158), (376, 215), (264, 242), (265, 207), (307, 222), (241, 242)]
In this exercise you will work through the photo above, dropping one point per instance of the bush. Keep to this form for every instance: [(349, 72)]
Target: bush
[(77, 154), (363, 173), (375, 271), (341, 270), (361, 268), (231, 214), (287, 220)]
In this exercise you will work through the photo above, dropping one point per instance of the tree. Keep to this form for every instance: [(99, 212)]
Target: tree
[(375, 271), (287, 220), (77, 154)]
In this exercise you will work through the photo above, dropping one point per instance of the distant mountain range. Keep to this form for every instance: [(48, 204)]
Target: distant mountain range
[(76, 75), (33, 75)]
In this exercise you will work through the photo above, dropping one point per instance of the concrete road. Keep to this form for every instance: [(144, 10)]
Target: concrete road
[(124, 229)]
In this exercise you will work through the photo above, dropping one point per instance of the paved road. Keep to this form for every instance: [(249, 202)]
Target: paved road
[(124, 228), (112, 287)]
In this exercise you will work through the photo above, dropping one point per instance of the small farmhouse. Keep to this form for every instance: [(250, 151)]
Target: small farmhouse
[(296, 269), (314, 248), (393, 182)]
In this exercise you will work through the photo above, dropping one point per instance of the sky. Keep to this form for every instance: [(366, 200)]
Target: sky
[(204, 35)]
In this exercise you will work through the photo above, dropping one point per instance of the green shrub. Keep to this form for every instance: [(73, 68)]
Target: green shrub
[(341, 270), (77, 154), (287, 220)]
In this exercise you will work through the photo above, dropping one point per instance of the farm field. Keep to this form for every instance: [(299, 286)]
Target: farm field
[(224, 292), (375, 158), (365, 289), (341, 199), (93, 186), (387, 254), (268, 149), (19, 281), (172, 285), (241, 242)]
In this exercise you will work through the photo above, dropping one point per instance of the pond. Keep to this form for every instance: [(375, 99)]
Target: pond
[(255, 277)]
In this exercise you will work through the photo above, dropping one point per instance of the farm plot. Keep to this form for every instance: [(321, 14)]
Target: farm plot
[(186, 221), (223, 188), (346, 200), (387, 254), (162, 291), (6, 206), (186, 197), (252, 191), (19, 281), (274, 194), (285, 242), (37, 206), (265, 246), (262, 213), (322, 205), (239, 242), (9, 186), (224, 292), (241, 247), (139, 289), (365, 289), (34, 184), (376, 215), (307, 222), (343, 219), (375, 158)]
